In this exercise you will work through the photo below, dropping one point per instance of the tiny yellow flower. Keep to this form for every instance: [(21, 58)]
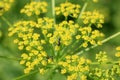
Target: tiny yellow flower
[(83, 77), (22, 61), (42, 71), (78, 36), (63, 71), (16, 41), (44, 63), (27, 70), (24, 56), (57, 48), (118, 48), (85, 44), (117, 54), (21, 47)]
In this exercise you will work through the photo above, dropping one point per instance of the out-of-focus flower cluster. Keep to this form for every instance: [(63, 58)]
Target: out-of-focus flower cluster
[(101, 57), (109, 71), (34, 8), (5, 5)]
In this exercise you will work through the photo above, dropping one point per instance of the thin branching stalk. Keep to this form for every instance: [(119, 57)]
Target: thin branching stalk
[(104, 41), (26, 75), (10, 58), (4, 19), (53, 10), (49, 73), (83, 9), (53, 13), (108, 62)]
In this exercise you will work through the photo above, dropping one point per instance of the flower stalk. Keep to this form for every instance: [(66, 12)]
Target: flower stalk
[(83, 9), (4, 19), (53, 10)]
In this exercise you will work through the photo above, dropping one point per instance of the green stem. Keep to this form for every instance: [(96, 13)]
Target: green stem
[(47, 74), (4, 19), (53, 14), (26, 75), (104, 41), (83, 9), (53, 10), (108, 62), (5, 57)]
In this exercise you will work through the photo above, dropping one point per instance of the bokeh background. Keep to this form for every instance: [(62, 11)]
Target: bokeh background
[(10, 69)]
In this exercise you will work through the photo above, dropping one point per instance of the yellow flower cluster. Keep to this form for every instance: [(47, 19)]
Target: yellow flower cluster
[(89, 36), (5, 5), (93, 18), (68, 9), (46, 24), (33, 59), (34, 8), (118, 53), (30, 41), (43, 38), (48, 46), (73, 64), (101, 57), (64, 31), (34, 42), (22, 28)]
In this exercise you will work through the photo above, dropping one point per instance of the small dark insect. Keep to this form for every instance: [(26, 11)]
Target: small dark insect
[(1, 8), (50, 57), (59, 41)]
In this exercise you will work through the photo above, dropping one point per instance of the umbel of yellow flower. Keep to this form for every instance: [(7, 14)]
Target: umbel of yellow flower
[(34, 8), (93, 18), (74, 64), (34, 43), (64, 30), (68, 9), (5, 5)]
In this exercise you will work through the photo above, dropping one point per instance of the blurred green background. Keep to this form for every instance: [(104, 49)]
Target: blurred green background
[(10, 69)]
